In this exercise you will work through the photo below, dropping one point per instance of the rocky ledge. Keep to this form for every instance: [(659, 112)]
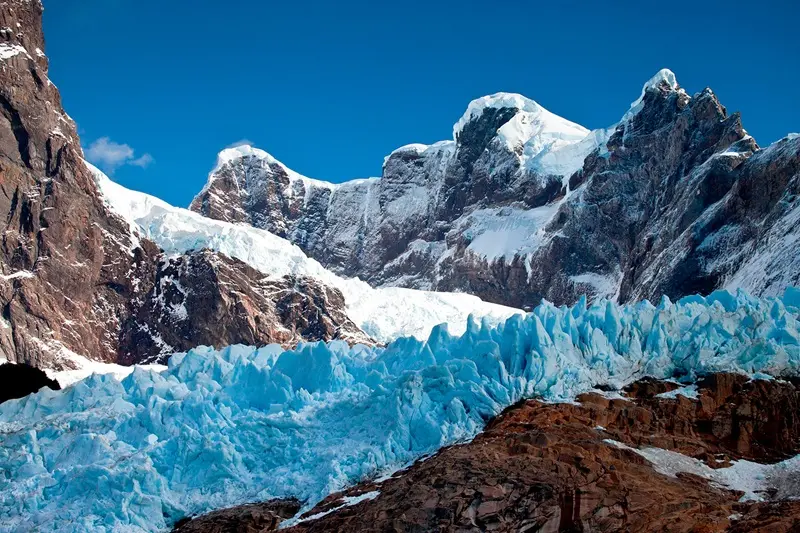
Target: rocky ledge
[(646, 459)]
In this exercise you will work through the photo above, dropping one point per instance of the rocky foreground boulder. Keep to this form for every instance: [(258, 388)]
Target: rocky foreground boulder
[(547, 468)]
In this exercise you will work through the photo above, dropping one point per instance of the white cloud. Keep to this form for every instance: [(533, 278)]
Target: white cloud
[(241, 142), (110, 155), (143, 161)]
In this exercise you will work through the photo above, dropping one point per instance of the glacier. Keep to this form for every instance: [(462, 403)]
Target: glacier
[(220, 428)]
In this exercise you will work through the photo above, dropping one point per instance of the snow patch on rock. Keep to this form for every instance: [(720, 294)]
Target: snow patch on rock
[(690, 391), (7, 51), (753, 479), (664, 77), (503, 232)]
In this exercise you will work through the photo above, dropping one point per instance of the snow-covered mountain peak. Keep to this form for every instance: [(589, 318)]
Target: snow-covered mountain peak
[(663, 78), (495, 101), (538, 136), (529, 112), (235, 153), (263, 165)]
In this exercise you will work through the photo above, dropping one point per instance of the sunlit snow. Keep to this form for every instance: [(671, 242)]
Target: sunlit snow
[(384, 313)]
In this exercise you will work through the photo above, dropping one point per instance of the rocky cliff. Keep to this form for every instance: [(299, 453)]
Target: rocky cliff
[(67, 263), (76, 281), (206, 298), (523, 205)]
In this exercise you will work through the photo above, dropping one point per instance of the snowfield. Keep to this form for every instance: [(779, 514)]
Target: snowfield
[(384, 313), (219, 428)]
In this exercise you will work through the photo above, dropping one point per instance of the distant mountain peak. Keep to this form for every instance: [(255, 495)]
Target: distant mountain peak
[(545, 122), (240, 151), (663, 79)]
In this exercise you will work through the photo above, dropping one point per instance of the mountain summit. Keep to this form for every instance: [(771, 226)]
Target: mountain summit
[(523, 205)]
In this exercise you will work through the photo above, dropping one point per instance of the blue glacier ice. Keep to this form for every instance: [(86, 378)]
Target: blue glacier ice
[(219, 428)]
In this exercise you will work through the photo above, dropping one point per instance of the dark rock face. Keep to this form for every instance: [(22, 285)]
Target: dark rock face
[(20, 380), (74, 280), (67, 263), (206, 298), (250, 518), (676, 200)]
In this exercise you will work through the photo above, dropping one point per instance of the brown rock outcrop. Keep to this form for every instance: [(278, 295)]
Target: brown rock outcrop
[(206, 298), (67, 264), (249, 518)]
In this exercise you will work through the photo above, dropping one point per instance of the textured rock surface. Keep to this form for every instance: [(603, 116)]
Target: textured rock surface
[(206, 298), (545, 467), (75, 280), (68, 265), (250, 518), (675, 199)]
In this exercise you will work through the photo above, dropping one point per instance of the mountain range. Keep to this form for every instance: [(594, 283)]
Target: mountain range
[(522, 205), (519, 207), (495, 286)]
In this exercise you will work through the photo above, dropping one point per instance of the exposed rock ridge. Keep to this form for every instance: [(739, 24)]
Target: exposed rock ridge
[(675, 199), (206, 298)]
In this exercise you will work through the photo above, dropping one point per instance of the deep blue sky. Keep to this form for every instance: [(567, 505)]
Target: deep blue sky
[(330, 88)]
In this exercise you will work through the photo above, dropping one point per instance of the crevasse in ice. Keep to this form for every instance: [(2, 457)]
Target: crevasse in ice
[(220, 428)]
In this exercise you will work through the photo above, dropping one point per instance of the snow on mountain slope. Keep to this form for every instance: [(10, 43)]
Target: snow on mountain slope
[(771, 265), (359, 226), (84, 368), (548, 143), (503, 232), (244, 424), (522, 205), (492, 212), (384, 314), (235, 153)]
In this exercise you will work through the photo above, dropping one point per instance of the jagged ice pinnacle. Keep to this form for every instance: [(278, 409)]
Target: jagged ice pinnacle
[(219, 428)]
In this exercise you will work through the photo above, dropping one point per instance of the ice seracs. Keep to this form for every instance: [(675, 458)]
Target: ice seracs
[(220, 428)]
